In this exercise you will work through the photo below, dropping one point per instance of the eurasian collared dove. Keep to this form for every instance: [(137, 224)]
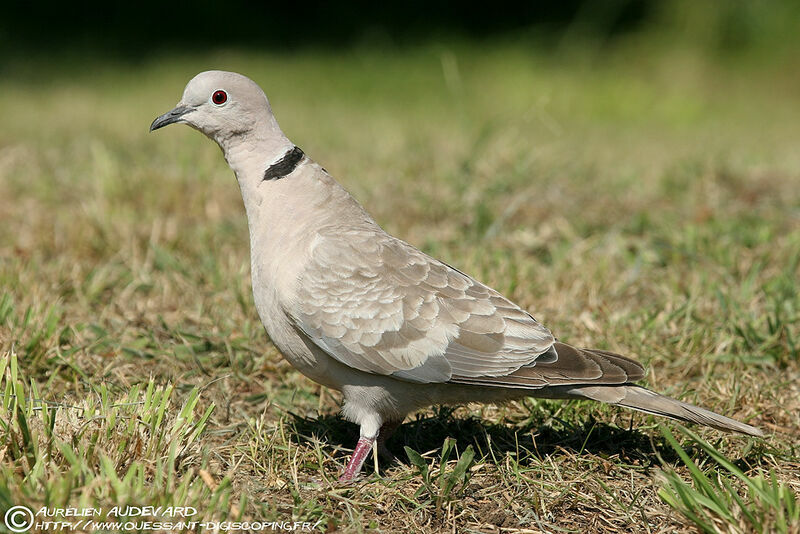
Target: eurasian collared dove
[(363, 312)]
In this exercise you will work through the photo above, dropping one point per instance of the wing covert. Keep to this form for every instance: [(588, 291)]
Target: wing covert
[(377, 304)]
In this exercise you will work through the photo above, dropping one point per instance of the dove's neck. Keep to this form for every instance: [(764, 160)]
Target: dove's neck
[(249, 157), (249, 154), (285, 212)]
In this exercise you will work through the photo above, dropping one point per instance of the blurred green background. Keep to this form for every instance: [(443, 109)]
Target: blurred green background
[(133, 30)]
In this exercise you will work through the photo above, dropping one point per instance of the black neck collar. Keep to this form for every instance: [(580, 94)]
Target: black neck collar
[(284, 166)]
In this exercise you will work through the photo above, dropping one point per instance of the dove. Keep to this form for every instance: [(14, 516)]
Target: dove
[(360, 311)]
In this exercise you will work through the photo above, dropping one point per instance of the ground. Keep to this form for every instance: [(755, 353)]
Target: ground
[(642, 201)]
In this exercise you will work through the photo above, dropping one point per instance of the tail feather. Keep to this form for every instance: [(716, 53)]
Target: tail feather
[(644, 400)]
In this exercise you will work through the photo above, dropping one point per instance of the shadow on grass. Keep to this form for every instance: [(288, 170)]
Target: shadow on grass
[(530, 442)]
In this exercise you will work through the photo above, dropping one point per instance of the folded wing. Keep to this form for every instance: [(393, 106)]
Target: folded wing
[(379, 305)]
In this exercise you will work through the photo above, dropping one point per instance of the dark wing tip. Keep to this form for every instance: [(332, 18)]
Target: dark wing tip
[(573, 366)]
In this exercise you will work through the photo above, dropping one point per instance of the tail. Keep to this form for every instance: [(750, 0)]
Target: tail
[(644, 400)]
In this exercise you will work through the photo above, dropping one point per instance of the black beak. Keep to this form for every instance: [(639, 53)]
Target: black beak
[(170, 117)]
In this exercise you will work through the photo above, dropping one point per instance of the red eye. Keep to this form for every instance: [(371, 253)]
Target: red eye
[(219, 97)]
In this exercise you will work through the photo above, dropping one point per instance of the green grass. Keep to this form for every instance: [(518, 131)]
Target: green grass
[(643, 200), (714, 503)]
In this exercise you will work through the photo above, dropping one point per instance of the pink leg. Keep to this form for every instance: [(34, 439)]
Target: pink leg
[(357, 459)]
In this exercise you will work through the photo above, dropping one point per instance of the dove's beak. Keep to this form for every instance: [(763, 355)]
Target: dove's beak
[(176, 115)]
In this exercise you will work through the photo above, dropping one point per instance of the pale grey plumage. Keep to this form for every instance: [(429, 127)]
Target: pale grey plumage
[(366, 313), (377, 304)]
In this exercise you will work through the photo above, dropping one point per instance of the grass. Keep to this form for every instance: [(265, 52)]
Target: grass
[(643, 201), (713, 503)]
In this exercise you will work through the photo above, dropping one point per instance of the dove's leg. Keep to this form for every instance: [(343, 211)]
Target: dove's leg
[(386, 432), (363, 447)]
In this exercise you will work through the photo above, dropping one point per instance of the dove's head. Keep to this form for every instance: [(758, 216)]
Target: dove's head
[(222, 105)]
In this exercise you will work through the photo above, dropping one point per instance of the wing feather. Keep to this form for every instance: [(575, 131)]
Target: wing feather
[(377, 304)]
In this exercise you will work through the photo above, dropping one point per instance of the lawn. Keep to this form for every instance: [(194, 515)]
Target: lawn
[(640, 200)]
